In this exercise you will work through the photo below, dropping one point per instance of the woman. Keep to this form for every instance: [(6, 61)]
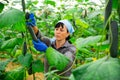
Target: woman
[(61, 43)]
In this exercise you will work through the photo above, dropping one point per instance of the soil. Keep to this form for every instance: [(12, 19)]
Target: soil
[(11, 66)]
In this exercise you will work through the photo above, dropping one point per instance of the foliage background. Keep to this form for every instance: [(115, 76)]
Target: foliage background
[(86, 16)]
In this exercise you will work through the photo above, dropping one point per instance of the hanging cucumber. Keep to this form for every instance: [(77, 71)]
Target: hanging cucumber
[(108, 10), (24, 48), (32, 35), (30, 29), (30, 69), (114, 39)]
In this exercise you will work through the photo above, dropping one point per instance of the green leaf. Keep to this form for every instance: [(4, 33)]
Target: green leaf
[(3, 64), (81, 23), (71, 77), (82, 0), (115, 4), (107, 68), (35, 2), (68, 16), (14, 19), (84, 50), (119, 9), (83, 42), (16, 74), (25, 60), (11, 43), (37, 66), (56, 59), (94, 14), (50, 2), (1, 7), (103, 45)]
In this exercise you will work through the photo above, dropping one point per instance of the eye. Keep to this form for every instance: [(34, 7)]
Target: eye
[(62, 30), (56, 29)]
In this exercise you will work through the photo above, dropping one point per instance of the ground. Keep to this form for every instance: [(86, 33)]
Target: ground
[(11, 65)]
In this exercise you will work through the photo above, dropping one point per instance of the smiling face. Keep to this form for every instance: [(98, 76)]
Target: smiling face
[(61, 32)]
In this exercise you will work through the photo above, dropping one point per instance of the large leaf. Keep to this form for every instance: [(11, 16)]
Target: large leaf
[(16, 74), (1, 7), (3, 64), (115, 4), (11, 43), (83, 42), (103, 45), (81, 23), (56, 59), (25, 60), (37, 66), (13, 18), (107, 68), (50, 2)]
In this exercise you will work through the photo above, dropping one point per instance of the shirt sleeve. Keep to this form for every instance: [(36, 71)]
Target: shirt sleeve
[(44, 39), (71, 53)]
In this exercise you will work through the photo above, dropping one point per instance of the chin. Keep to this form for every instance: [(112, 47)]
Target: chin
[(58, 39)]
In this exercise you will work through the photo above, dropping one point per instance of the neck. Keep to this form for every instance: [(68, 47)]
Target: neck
[(60, 43)]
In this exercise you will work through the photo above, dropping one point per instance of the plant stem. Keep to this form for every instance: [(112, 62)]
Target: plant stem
[(33, 76)]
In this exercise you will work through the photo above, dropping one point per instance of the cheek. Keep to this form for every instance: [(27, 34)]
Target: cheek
[(64, 35), (67, 35), (55, 32)]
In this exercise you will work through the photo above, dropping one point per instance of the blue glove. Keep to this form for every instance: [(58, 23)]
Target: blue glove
[(40, 46), (31, 21)]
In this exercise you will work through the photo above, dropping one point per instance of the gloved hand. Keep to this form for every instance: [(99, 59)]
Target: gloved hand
[(31, 21), (40, 46)]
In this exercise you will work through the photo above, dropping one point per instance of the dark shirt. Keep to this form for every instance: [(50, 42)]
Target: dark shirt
[(67, 49)]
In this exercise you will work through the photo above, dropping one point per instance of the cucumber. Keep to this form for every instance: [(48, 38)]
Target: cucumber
[(27, 16), (23, 5), (32, 33), (114, 39), (108, 9), (30, 69), (24, 48)]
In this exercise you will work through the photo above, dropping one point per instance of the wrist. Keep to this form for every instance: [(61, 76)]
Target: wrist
[(35, 28)]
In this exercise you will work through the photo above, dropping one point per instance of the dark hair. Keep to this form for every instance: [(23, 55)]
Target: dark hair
[(62, 25), (59, 24)]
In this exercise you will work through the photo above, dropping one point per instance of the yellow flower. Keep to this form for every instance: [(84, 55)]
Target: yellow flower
[(94, 59)]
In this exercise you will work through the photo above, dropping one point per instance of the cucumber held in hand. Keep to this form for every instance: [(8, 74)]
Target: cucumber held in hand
[(32, 33), (30, 28)]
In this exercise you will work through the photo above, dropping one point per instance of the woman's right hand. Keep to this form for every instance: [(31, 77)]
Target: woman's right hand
[(40, 46)]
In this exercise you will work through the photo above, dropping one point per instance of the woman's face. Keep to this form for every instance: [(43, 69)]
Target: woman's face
[(61, 33)]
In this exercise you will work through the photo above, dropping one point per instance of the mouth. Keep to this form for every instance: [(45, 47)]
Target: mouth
[(57, 36)]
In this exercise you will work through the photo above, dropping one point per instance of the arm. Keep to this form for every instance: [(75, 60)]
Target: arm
[(39, 35), (31, 21), (71, 55)]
